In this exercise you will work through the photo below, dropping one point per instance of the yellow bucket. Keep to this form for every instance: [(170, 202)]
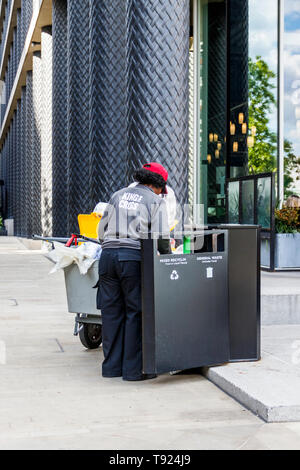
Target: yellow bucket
[(88, 224)]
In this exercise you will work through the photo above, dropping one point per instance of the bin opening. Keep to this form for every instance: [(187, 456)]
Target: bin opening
[(204, 243)]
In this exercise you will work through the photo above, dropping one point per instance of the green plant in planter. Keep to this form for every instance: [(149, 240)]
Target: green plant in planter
[(287, 220), (1, 222)]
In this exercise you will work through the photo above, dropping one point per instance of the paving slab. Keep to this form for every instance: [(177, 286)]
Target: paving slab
[(52, 395), (280, 298), (270, 387)]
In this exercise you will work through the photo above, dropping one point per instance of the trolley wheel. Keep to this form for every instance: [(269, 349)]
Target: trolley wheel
[(90, 335)]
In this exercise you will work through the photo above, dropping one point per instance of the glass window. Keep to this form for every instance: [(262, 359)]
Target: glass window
[(263, 87), (292, 96), (233, 202), (192, 170), (209, 52), (248, 202), (233, 98), (238, 126), (264, 202)]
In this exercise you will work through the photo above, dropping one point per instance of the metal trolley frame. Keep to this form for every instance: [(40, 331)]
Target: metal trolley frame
[(81, 297)]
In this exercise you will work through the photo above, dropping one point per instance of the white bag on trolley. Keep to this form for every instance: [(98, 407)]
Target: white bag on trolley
[(84, 256)]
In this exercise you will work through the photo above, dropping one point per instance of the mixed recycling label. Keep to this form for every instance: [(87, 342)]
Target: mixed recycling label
[(175, 262)]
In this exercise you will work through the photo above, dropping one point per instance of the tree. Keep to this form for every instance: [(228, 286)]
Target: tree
[(291, 168), (262, 156)]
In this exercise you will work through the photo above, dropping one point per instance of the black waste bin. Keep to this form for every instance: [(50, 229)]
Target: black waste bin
[(244, 291), (201, 309)]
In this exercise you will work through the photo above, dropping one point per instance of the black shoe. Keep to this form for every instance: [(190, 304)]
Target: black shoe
[(143, 377), (149, 376), (111, 376)]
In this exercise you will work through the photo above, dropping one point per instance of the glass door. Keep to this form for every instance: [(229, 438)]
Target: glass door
[(208, 105)]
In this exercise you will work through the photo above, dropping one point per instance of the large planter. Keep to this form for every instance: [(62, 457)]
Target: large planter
[(287, 251)]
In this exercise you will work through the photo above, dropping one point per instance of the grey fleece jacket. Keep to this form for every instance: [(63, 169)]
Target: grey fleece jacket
[(133, 213)]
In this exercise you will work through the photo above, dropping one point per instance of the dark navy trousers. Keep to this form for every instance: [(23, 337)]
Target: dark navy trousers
[(119, 298)]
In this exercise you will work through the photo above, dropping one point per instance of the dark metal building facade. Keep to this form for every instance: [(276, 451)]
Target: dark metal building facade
[(119, 98), (106, 89)]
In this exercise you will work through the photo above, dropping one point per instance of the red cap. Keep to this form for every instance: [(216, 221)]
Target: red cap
[(158, 169)]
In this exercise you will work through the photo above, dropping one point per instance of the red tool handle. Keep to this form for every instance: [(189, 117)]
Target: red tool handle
[(74, 239)]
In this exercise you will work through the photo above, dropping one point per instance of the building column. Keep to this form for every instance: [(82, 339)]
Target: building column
[(18, 209), (36, 142), (28, 156), (14, 163), (9, 174), (46, 132), (60, 146), (28, 14), (19, 31), (78, 112), (23, 161), (107, 98), (4, 177), (158, 87)]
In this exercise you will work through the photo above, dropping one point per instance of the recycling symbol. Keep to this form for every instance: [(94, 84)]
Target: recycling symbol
[(174, 276)]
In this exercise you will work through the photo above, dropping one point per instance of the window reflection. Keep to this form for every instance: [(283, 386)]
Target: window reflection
[(239, 88), (234, 97), (292, 96), (233, 202), (263, 63), (264, 202), (248, 202), (209, 51)]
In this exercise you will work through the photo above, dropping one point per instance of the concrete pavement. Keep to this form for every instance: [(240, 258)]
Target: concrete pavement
[(270, 387), (280, 298), (52, 395)]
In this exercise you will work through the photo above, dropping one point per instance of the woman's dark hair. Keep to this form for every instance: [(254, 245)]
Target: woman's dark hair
[(143, 176)]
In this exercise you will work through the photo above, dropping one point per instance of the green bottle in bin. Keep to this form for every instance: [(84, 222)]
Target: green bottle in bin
[(187, 245)]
